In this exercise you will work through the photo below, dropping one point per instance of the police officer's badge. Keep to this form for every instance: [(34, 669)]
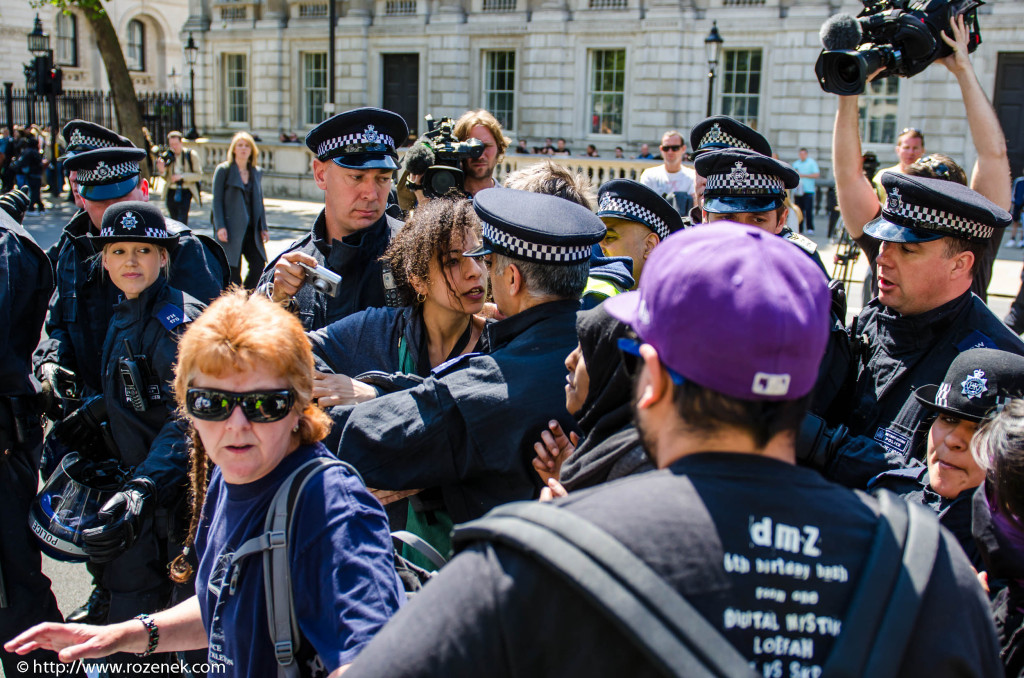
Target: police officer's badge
[(739, 176), (77, 138), (895, 203), (103, 170), (129, 221), (975, 385), (370, 135)]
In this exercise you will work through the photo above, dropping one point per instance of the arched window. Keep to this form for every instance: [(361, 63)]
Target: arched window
[(136, 57)]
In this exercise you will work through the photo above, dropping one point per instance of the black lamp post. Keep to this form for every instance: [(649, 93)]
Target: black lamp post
[(713, 47), (191, 54), (47, 83)]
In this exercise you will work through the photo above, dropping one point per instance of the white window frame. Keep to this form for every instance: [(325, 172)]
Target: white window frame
[(135, 43), (66, 30), (592, 92), (230, 107), (488, 90), (878, 111), (730, 94), (309, 92)]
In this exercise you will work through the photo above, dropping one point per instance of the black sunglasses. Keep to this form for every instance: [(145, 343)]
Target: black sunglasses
[(673, 147), (259, 407)]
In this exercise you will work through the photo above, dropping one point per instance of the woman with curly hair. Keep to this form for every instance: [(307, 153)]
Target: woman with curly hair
[(245, 379)]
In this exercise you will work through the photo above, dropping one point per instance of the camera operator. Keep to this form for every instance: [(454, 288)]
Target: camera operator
[(858, 202), (182, 170), (335, 269)]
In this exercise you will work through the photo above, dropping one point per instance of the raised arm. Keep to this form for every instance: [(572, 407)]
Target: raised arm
[(858, 202), (991, 175)]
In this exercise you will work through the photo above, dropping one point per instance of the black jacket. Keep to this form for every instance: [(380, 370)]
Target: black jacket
[(356, 258)]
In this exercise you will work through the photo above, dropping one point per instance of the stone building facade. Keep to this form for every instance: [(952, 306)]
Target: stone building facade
[(149, 31)]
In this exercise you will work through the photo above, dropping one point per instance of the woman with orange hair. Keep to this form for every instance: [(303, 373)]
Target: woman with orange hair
[(245, 379)]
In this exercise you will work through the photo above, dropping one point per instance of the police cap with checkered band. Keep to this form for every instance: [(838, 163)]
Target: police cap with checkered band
[(134, 221), (632, 201), (977, 382), (363, 138), (741, 180), (918, 209), (534, 226), (81, 136), (721, 131), (106, 173)]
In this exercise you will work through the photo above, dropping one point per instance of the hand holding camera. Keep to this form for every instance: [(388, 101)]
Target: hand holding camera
[(295, 269)]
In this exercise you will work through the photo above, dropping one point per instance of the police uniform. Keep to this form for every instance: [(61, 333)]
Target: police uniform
[(26, 282), (631, 201), (897, 354), (469, 428), (364, 138), (80, 311), (151, 440)]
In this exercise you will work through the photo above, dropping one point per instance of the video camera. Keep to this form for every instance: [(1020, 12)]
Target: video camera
[(163, 153), (902, 37), (438, 156)]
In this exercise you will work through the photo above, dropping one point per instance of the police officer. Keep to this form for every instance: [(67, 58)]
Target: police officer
[(147, 519), (925, 315), (355, 159), (711, 522), (714, 134), (750, 188), (469, 428), (637, 219), (80, 312), (26, 281), (979, 382)]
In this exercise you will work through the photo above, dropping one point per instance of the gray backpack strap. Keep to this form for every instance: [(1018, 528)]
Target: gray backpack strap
[(273, 543), (662, 624), (421, 545)]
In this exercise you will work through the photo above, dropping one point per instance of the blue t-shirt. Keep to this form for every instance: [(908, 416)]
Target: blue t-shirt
[(808, 166), (343, 578)]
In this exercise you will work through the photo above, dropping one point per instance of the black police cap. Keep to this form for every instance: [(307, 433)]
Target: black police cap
[(134, 221), (81, 136), (721, 131), (741, 180), (631, 200), (363, 138), (106, 173), (535, 226), (919, 209), (977, 382)]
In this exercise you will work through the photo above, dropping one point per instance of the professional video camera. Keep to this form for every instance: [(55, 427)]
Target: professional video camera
[(902, 37), (438, 156), (163, 153)]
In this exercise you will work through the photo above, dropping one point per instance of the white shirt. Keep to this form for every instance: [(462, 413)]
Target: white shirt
[(664, 183)]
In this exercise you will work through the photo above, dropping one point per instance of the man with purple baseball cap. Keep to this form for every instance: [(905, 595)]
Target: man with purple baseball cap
[(732, 322)]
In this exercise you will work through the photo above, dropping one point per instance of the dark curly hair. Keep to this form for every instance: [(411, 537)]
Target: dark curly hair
[(429, 233)]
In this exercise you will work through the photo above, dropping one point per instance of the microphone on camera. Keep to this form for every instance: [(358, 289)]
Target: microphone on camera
[(840, 32), (418, 159)]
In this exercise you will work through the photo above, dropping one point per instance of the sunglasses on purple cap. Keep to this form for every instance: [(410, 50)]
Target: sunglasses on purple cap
[(631, 357)]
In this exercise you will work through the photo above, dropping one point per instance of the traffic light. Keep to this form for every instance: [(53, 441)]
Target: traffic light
[(42, 69)]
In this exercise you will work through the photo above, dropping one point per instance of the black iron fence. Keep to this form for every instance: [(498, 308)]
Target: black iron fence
[(161, 111)]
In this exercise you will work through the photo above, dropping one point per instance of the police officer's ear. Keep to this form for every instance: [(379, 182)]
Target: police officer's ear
[(319, 174), (513, 279), (962, 265), (143, 189), (654, 383), (650, 242)]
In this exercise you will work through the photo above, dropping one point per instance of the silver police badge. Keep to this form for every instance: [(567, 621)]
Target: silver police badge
[(975, 385), (739, 176), (370, 136), (77, 138), (895, 202), (129, 221)]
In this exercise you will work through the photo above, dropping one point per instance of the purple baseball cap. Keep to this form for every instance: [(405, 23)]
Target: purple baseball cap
[(734, 309)]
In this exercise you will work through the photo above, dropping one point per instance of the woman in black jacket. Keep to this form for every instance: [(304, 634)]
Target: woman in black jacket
[(239, 220)]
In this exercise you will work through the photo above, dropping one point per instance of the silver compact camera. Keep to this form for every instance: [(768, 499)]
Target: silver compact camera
[(322, 279)]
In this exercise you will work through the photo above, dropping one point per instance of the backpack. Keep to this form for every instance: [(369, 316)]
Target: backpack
[(295, 656), (674, 636)]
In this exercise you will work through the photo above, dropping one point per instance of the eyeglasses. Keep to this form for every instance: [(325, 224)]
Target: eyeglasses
[(672, 147), (259, 407), (632, 359)]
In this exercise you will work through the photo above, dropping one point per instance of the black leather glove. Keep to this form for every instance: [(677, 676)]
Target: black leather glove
[(816, 444), (82, 430), (58, 387), (15, 202), (124, 514)]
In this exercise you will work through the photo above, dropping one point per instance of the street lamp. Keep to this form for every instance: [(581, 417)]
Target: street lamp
[(713, 47), (191, 54), (47, 82)]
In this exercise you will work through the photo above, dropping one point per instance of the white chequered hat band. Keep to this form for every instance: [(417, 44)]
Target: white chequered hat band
[(719, 138), (634, 211), (941, 220), (104, 172), (146, 233), (79, 139), (557, 254), (355, 140), (749, 184)]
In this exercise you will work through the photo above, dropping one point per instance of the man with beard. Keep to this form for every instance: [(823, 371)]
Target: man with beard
[(709, 522), (485, 127)]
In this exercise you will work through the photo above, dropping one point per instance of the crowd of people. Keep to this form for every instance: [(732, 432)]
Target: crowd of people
[(731, 479)]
